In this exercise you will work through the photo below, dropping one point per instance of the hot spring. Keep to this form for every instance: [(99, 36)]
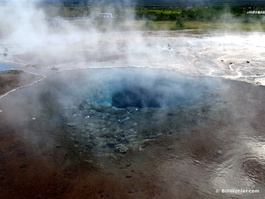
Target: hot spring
[(117, 110), (132, 129)]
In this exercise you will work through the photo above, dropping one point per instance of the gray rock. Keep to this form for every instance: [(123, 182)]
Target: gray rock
[(71, 124), (122, 148), (100, 107)]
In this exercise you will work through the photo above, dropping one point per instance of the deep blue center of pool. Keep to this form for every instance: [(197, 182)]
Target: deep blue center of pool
[(143, 88)]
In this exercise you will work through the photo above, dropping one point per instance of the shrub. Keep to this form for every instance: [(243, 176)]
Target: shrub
[(179, 24)]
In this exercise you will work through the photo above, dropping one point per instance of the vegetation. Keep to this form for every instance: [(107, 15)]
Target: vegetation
[(196, 25), (212, 17), (179, 24), (194, 14), (203, 18)]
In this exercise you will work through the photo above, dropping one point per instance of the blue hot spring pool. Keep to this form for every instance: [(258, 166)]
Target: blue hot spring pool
[(7, 65)]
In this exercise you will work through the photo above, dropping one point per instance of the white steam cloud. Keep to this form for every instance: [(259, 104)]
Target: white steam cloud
[(32, 37), (31, 34)]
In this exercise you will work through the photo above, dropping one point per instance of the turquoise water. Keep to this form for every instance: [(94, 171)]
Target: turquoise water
[(6, 66)]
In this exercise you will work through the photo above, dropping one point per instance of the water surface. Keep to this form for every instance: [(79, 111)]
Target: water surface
[(7, 66)]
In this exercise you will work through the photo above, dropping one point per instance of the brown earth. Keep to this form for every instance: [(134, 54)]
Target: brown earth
[(13, 79)]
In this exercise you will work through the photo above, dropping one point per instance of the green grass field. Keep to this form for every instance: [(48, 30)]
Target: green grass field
[(177, 11), (214, 18), (171, 25)]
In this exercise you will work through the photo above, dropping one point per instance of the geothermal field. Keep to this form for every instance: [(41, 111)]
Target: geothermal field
[(89, 113)]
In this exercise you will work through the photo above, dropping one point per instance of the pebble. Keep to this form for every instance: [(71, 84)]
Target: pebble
[(123, 149), (131, 132), (219, 152), (100, 107)]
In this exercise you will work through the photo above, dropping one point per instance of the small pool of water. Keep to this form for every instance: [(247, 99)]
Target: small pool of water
[(7, 65)]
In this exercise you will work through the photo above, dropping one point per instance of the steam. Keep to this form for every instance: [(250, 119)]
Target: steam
[(24, 24), (36, 39), (35, 36)]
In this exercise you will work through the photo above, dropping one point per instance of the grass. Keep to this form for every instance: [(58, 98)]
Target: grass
[(224, 26), (200, 18), (178, 11), (171, 25)]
